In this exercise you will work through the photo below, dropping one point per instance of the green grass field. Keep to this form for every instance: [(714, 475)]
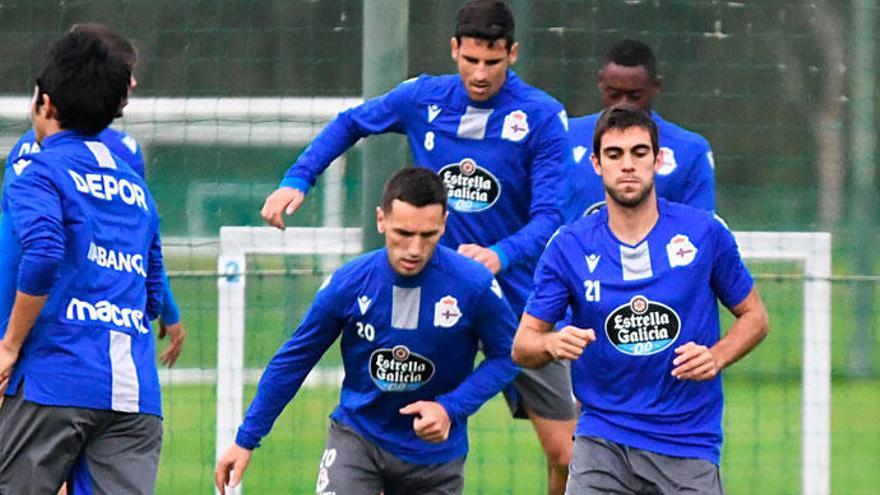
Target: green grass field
[(762, 452)]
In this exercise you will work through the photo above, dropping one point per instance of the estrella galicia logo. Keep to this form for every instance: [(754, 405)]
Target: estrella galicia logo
[(642, 327), (471, 188), (399, 370)]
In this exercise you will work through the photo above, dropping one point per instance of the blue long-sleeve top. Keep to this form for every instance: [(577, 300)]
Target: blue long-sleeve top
[(687, 174), (127, 149), (404, 339), (503, 161), (86, 232)]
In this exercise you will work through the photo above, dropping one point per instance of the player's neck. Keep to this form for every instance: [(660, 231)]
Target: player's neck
[(632, 224)]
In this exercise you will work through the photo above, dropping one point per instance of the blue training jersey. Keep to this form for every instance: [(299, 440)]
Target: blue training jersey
[(404, 339), (503, 161), (686, 176), (124, 147), (87, 233), (643, 301)]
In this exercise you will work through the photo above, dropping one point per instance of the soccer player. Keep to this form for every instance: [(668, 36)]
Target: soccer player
[(686, 174), (643, 277), (127, 149), (411, 316), (502, 149), (77, 360)]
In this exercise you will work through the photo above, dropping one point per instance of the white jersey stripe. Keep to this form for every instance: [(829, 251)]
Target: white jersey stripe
[(473, 123), (125, 388), (636, 262)]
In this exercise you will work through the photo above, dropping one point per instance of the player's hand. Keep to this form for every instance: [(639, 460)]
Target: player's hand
[(177, 334), (568, 343), (235, 459), (431, 422), (283, 200), (694, 362), (484, 256), (8, 357)]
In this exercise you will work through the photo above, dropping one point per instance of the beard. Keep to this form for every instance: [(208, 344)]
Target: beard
[(631, 201)]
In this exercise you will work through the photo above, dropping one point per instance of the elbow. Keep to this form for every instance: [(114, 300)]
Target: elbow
[(763, 325)]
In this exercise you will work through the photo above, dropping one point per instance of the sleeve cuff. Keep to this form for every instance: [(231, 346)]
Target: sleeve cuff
[(296, 183), (37, 278), (451, 410), (502, 256), (246, 441)]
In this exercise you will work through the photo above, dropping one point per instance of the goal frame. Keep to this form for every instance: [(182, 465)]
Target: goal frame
[(811, 249)]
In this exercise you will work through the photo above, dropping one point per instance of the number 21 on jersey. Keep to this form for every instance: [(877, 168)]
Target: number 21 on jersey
[(592, 290)]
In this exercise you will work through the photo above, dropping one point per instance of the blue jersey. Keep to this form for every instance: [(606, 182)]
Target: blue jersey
[(643, 301), (87, 232), (686, 176), (503, 161), (404, 339), (127, 149)]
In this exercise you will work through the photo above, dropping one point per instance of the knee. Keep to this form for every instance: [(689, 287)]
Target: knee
[(559, 454)]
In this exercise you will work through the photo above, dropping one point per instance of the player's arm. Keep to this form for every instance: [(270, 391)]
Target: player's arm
[(280, 382), (33, 204), (378, 115), (170, 324), (700, 189), (536, 343), (495, 324), (551, 158), (697, 362), (732, 283)]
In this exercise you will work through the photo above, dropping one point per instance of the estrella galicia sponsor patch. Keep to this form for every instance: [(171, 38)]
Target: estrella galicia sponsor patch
[(399, 370), (642, 327), (471, 188)]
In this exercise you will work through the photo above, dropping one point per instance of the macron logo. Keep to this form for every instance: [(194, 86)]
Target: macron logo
[(20, 165), (433, 112), (364, 304), (106, 312)]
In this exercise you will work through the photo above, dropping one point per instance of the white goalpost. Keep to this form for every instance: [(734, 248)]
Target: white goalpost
[(812, 250)]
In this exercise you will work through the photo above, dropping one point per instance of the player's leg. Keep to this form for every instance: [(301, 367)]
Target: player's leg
[(39, 444), (555, 437), (350, 464), (425, 479), (676, 474), (544, 396), (602, 467), (121, 457)]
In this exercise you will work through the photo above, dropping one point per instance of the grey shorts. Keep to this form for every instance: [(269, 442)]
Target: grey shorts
[(96, 452), (351, 465), (599, 466), (546, 391)]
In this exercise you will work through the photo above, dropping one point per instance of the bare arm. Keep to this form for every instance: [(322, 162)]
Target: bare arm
[(536, 344), (697, 362), (24, 313)]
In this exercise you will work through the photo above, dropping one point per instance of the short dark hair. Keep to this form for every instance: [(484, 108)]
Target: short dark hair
[(489, 20), (85, 82), (416, 186), (120, 46), (621, 117), (633, 53)]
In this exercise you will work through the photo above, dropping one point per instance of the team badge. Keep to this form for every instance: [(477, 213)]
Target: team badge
[(592, 261), (681, 251), (446, 312), (579, 152), (364, 304), (516, 126), (642, 327), (433, 112), (667, 161)]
